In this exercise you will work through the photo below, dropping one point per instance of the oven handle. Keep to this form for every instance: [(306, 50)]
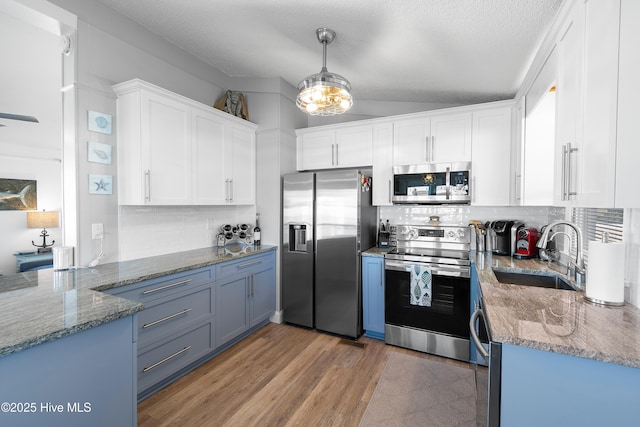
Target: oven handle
[(406, 266), (474, 334)]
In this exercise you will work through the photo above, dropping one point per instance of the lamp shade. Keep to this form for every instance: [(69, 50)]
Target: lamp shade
[(43, 219)]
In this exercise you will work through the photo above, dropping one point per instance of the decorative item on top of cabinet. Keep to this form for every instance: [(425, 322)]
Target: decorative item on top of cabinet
[(168, 143), (334, 146), (233, 103)]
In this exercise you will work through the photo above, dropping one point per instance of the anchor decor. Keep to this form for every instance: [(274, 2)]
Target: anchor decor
[(43, 220)]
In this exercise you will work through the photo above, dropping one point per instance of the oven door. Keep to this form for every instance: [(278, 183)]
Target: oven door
[(448, 312)]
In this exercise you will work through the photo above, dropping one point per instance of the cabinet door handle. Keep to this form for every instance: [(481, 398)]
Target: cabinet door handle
[(426, 149), (390, 191), (563, 174), (252, 278), (231, 190), (164, 319), (570, 151), (162, 288), (433, 148), (332, 154), (247, 264), (337, 154), (147, 185), (166, 359)]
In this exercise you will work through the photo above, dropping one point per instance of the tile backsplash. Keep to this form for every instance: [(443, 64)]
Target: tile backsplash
[(536, 216), (148, 231)]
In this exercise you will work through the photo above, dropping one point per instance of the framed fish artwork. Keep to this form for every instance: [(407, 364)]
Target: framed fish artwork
[(18, 194), (100, 184), (99, 122), (99, 153)]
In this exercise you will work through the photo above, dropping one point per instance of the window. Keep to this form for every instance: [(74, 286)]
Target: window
[(593, 223)]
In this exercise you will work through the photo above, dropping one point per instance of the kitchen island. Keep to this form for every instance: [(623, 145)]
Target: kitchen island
[(68, 351), (565, 361)]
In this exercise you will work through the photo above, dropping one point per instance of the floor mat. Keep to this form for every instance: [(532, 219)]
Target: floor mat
[(420, 392)]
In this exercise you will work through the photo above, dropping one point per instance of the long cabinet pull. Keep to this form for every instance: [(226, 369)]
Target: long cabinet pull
[(147, 185), (226, 190), (337, 154), (332, 154), (247, 264), (426, 149), (162, 288), (563, 174), (231, 190), (164, 319), (390, 191), (166, 359), (570, 151), (433, 148)]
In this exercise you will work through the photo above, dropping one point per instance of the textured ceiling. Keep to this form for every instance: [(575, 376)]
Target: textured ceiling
[(447, 51)]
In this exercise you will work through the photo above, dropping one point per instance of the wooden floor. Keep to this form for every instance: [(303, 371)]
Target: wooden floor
[(280, 376)]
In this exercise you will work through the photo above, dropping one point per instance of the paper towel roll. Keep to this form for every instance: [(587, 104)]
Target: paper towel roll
[(605, 273), (62, 257)]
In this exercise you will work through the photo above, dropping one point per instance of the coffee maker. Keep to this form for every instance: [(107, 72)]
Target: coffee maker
[(502, 234), (526, 239)]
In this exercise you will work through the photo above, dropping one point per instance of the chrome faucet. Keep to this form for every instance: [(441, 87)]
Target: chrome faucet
[(576, 270)]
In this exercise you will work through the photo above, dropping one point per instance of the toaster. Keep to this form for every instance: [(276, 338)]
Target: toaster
[(526, 239)]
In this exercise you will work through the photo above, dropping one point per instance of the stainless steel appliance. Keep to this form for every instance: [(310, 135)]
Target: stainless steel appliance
[(488, 370), (327, 219), (432, 183), (438, 322)]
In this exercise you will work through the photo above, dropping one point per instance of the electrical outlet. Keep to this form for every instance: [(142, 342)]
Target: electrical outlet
[(97, 232)]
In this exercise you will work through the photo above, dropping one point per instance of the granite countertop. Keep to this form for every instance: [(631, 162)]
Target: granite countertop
[(44, 305), (376, 251), (559, 321)]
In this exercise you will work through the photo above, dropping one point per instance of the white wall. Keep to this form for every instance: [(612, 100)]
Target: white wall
[(30, 81)]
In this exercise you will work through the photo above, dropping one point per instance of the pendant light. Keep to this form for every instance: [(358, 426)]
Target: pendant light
[(324, 93)]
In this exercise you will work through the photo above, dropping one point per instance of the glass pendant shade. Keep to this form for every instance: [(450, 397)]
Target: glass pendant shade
[(324, 93)]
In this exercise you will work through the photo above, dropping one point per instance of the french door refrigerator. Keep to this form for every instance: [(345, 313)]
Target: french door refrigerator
[(328, 220)]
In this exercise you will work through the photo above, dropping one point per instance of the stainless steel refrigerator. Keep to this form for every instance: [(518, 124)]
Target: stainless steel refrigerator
[(328, 220)]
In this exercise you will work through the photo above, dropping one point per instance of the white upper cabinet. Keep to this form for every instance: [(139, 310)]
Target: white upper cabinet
[(595, 132), (491, 157), (382, 185), (208, 157), (432, 138), (166, 143), (175, 151), (628, 146), (335, 146)]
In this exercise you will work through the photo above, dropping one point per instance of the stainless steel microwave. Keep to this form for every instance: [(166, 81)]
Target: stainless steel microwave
[(432, 183)]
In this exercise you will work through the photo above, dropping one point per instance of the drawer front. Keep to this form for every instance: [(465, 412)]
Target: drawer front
[(161, 320), (162, 287), (245, 265), (159, 363)]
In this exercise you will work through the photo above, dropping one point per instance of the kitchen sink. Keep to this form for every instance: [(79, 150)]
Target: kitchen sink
[(528, 279)]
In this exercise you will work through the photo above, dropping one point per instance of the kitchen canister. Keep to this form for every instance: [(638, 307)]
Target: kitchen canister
[(605, 273), (62, 257)]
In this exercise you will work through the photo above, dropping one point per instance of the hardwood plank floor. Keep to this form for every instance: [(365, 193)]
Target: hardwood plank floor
[(280, 376)]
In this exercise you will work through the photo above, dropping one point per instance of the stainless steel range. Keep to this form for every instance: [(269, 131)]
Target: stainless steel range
[(427, 289)]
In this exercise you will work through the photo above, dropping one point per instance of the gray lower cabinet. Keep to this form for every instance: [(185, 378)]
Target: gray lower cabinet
[(188, 316), (245, 295), (176, 327)]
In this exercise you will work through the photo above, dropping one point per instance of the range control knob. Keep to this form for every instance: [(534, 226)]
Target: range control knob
[(451, 234), (461, 233)]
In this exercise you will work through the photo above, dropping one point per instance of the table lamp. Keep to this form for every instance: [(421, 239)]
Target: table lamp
[(43, 220)]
